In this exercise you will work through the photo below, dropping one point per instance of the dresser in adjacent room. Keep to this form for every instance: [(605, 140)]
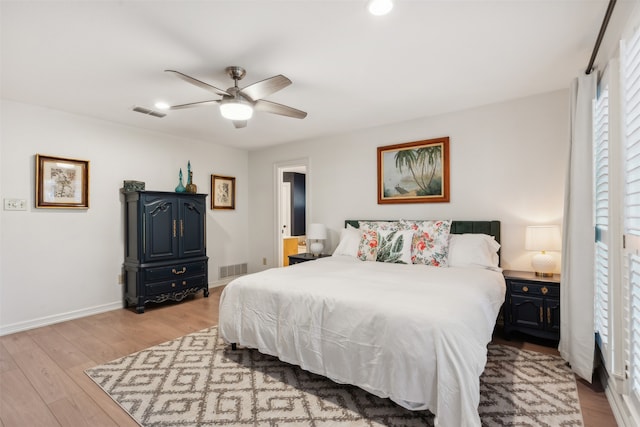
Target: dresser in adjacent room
[(165, 247)]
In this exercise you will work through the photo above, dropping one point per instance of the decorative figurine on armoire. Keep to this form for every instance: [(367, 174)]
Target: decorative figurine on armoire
[(191, 187), (180, 188)]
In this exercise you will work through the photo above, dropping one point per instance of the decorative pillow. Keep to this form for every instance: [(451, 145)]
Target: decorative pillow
[(394, 246), (349, 242), (474, 250), (430, 244), (379, 225), (368, 245)]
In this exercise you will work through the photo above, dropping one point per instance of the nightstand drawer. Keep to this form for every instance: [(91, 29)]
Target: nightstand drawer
[(538, 289)]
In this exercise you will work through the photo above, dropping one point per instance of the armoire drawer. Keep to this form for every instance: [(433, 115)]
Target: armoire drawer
[(175, 271), (175, 285)]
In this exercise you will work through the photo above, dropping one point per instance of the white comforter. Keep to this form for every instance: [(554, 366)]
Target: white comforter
[(413, 333)]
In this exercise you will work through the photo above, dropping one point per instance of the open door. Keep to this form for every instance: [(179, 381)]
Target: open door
[(292, 206)]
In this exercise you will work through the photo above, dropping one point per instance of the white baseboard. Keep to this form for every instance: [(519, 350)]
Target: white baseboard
[(621, 411), (57, 318), (223, 282), (62, 317)]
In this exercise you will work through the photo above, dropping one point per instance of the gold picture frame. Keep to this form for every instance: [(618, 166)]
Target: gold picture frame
[(414, 172), (223, 192), (62, 183)]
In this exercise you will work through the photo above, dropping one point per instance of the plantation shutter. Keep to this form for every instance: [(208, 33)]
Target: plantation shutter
[(601, 218), (631, 263)]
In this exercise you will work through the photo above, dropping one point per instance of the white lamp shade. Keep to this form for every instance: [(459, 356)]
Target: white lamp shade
[(236, 109), (542, 238), (316, 232)]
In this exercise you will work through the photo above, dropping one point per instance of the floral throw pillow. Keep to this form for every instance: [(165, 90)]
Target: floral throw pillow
[(394, 246), (368, 248), (379, 225), (430, 244)]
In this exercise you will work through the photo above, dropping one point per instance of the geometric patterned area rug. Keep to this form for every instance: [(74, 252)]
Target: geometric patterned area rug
[(197, 380)]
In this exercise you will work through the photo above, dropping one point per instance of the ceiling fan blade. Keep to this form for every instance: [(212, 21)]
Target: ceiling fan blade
[(275, 108), (265, 87), (240, 124), (200, 84), (194, 104)]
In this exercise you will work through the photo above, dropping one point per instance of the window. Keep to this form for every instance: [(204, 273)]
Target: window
[(630, 55), (616, 198), (601, 219)]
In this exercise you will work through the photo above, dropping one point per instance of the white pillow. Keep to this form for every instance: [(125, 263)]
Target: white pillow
[(473, 250), (349, 242)]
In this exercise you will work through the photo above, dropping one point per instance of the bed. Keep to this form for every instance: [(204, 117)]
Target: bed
[(414, 333)]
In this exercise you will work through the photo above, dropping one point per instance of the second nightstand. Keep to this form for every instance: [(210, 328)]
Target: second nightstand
[(298, 258), (532, 304)]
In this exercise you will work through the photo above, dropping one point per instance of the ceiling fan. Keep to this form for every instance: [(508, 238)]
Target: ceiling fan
[(237, 104)]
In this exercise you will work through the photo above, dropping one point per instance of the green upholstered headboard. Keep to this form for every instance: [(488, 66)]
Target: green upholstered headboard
[(492, 228)]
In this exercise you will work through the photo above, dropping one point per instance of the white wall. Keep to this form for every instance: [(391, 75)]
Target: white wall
[(507, 162), (59, 263)]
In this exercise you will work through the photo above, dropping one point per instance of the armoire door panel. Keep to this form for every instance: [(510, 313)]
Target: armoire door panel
[(160, 240)]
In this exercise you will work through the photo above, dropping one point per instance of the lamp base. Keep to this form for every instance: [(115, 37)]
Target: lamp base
[(541, 274), (543, 264), (316, 248)]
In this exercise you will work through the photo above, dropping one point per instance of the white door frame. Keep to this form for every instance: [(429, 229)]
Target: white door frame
[(284, 220), (279, 168)]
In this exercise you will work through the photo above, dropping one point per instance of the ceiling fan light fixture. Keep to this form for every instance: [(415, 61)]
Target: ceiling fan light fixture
[(236, 109), (237, 103), (161, 105), (379, 7)]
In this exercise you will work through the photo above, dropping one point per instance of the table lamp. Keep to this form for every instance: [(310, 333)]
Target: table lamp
[(316, 233), (543, 238)]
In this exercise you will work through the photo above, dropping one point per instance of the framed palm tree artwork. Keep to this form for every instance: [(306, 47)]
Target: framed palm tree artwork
[(414, 172)]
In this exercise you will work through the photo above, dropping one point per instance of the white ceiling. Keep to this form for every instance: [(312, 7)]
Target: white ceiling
[(350, 70)]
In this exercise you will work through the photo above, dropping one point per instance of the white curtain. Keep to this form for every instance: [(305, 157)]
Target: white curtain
[(577, 339)]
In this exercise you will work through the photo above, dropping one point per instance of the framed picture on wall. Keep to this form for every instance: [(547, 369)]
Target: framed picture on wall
[(223, 192), (414, 172), (62, 183)]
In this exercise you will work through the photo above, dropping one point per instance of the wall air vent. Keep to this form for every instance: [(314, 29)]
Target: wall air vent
[(148, 112), (232, 270)]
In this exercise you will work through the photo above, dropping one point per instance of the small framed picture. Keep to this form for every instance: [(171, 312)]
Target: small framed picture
[(62, 183), (223, 192)]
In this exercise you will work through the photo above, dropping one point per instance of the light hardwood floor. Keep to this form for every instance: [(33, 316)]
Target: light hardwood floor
[(42, 380)]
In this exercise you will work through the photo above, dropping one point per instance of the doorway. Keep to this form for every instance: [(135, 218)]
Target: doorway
[(292, 209)]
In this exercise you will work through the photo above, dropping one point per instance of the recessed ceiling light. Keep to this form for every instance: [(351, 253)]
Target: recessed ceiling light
[(379, 7), (160, 105)]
